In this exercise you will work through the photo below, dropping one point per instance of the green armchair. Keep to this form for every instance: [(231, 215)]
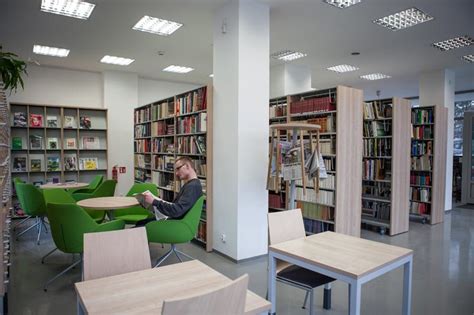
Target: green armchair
[(175, 231), (32, 202), (105, 189), (69, 223), (93, 185), (137, 213)]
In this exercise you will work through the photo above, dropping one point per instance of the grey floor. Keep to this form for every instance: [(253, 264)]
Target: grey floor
[(443, 275)]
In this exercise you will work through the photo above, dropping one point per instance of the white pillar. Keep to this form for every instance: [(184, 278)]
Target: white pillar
[(288, 79), (241, 94), (120, 98), (437, 88)]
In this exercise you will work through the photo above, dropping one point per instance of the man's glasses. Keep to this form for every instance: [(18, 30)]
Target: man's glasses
[(178, 167)]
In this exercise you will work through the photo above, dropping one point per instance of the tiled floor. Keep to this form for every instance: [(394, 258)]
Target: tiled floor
[(443, 275)]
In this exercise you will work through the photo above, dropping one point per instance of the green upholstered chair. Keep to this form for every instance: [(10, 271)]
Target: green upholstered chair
[(69, 223), (105, 189), (137, 213), (175, 231), (19, 180), (93, 185), (32, 202)]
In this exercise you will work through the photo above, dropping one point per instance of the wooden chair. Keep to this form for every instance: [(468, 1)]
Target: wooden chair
[(117, 252), (224, 300), (286, 226)]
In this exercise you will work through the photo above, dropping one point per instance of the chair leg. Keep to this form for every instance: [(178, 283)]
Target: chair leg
[(43, 222), (311, 301), (327, 297), (40, 227), (44, 257), (21, 222), (23, 232), (45, 288), (305, 300), (162, 258), (180, 252)]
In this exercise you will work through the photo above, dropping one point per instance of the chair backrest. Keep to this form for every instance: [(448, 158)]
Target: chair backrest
[(115, 252), (95, 182), (105, 189), (31, 199), (68, 224), (225, 300), (142, 187), (57, 195), (191, 219), (285, 226)]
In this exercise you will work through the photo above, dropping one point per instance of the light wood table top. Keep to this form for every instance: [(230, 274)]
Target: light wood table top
[(108, 203), (143, 292), (64, 185), (343, 254)]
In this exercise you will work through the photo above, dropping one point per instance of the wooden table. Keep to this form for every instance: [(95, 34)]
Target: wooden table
[(347, 258), (108, 203), (143, 292), (64, 185)]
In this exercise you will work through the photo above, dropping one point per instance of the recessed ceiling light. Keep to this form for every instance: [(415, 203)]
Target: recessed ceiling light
[(468, 58), (454, 43), (50, 51), (342, 3), (288, 55), (72, 8), (343, 68), (178, 69), (156, 26), (403, 19), (113, 60), (375, 76), (211, 75)]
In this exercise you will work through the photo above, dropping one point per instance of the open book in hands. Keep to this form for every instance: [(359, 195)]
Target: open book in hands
[(142, 200)]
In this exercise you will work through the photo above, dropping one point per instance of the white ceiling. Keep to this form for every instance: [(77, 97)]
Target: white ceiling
[(327, 34)]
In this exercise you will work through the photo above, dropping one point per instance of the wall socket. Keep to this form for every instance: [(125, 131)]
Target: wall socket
[(223, 238)]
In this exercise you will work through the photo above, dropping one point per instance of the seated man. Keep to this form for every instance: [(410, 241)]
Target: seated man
[(187, 196)]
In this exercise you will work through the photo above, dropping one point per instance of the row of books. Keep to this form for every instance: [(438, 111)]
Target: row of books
[(164, 180), (323, 197), (314, 211), (424, 180), (377, 128), (327, 183), (163, 162), (377, 190), (422, 132), (420, 208), (192, 102), (142, 145), (192, 124), (377, 110), (276, 201), (163, 110), (142, 131), (142, 161), (375, 209), (162, 145), (422, 163), (377, 147), (36, 120), (377, 169), (52, 143), (53, 163), (327, 146), (329, 163), (142, 115), (319, 104), (327, 123), (420, 194), (421, 147), (161, 128), (201, 233), (278, 110), (422, 116), (192, 145), (314, 226), (141, 175)]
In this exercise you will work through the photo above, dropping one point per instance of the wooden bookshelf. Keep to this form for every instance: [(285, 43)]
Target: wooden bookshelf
[(337, 205), (386, 165), (428, 163), (170, 128)]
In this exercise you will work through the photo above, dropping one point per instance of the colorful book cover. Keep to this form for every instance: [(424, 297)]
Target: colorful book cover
[(19, 164), (36, 120), (52, 121), (70, 163), (53, 144), (90, 143), (69, 122), (19, 119), (53, 163), (85, 122), (35, 165), (17, 143), (71, 143), (36, 142)]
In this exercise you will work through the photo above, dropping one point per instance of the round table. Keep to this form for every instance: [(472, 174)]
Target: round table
[(108, 203), (64, 185)]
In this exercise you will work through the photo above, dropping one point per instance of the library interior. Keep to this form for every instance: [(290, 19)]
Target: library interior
[(237, 157)]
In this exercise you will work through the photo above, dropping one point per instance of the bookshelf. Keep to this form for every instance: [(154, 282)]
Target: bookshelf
[(170, 128), (428, 163), (57, 143), (337, 205), (386, 165)]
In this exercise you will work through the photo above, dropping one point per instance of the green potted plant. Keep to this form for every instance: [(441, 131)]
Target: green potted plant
[(11, 70)]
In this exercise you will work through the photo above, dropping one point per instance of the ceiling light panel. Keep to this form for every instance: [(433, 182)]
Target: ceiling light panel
[(342, 4), (375, 76), (342, 68), (178, 69), (72, 8), (288, 55), (156, 26), (468, 58), (454, 43), (113, 60), (404, 19), (50, 51)]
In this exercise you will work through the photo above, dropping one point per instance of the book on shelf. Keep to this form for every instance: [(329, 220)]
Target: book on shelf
[(90, 143), (52, 121), (85, 122), (36, 120), (71, 143), (53, 144), (36, 142), (19, 119), (35, 165), (17, 143), (69, 122), (88, 163), (53, 164), (70, 162), (19, 164)]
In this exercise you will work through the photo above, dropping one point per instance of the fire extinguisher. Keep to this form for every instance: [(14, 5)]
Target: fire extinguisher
[(115, 173)]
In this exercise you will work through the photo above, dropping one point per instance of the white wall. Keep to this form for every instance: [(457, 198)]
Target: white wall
[(150, 91), (288, 79)]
